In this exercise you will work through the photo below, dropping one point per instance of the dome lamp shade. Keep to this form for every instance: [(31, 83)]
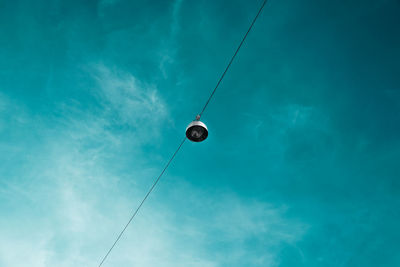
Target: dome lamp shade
[(196, 131)]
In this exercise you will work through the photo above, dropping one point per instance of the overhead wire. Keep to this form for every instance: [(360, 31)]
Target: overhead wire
[(141, 203), (233, 57), (183, 141)]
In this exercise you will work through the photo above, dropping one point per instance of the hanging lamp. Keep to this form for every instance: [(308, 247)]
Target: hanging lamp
[(197, 131)]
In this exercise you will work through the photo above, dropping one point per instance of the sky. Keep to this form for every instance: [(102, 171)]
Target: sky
[(300, 167)]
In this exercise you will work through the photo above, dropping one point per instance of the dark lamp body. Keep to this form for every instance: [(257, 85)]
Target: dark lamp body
[(196, 131)]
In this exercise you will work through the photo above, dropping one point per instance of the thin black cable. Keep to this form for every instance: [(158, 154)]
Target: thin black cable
[(144, 199), (179, 147), (233, 57)]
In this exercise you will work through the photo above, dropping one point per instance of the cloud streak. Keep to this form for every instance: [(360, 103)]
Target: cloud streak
[(83, 201)]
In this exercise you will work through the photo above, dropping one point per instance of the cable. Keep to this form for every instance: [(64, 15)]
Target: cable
[(183, 141), (233, 57), (144, 199)]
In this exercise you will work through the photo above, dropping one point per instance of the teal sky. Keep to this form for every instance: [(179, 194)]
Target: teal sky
[(301, 166)]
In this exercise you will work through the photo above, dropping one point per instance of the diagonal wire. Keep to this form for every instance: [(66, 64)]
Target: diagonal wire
[(233, 57), (144, 199), (183, 141)]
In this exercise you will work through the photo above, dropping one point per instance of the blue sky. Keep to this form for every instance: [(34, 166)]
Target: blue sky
[(300, 167)]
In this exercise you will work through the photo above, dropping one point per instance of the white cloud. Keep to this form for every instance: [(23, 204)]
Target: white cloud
[(68, 206), (19, 251), (86, 215), (168, 52), (128, 101), (11, 112)]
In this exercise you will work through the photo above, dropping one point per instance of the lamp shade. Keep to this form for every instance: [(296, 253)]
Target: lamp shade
[(196, 131)]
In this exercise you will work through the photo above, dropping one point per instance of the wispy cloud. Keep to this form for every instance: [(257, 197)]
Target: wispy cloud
[(76, 201), (129, 100), (168, 52), (84, 218)]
